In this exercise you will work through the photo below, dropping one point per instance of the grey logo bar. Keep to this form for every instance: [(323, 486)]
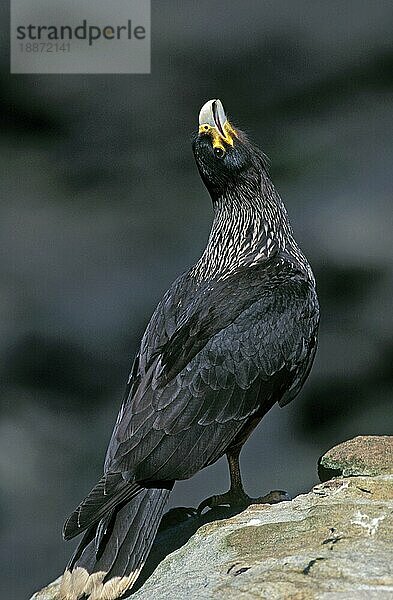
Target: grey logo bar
[(80, 36)]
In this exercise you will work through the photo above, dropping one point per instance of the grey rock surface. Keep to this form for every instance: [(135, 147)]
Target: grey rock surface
[(363, 455), (333, 542)]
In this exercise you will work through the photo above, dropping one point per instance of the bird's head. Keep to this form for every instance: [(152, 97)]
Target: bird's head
[(223, 154)]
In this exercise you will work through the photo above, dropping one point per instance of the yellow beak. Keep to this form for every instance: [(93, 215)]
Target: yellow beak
[(213, 122)]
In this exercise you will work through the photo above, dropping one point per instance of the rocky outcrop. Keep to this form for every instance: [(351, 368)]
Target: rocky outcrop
[(334, 542), (364, 455)]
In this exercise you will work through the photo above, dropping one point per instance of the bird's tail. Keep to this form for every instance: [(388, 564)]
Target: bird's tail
[(113, 551)]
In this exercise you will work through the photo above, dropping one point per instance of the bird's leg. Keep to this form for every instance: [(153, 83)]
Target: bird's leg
[(236, 496), (236, 490)]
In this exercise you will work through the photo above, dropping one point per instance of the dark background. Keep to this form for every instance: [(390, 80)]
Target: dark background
[(102, 206)]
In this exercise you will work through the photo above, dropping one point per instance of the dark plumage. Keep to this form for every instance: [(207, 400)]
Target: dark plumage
[(230, 338)]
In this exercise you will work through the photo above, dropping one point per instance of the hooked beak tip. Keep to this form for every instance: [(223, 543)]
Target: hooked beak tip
[(212, 113)]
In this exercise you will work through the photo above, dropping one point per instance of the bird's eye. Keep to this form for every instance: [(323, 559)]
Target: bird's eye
[(219, 152)]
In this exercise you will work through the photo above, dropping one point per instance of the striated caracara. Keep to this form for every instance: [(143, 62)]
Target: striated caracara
[(230, 338)]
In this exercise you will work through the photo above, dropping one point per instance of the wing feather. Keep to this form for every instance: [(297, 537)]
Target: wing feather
[(234, 353)]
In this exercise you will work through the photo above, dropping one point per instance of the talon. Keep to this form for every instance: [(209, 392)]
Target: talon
[(207, 503), (230, 499), (177, 515), (240, 499)]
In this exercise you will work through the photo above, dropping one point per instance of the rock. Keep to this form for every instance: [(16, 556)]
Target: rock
[(333, 543), (363, 455), (50, 592)]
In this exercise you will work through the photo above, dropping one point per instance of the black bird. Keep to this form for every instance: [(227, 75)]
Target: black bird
[(230, 338)]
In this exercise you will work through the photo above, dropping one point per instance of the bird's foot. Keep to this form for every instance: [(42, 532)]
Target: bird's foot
[(238, 498), (273, 497), (177, 515)]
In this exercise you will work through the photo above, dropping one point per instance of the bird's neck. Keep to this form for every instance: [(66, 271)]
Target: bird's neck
[(250, 225)]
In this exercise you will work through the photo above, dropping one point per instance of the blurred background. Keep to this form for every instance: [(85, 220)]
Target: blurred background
[(102, 207)]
